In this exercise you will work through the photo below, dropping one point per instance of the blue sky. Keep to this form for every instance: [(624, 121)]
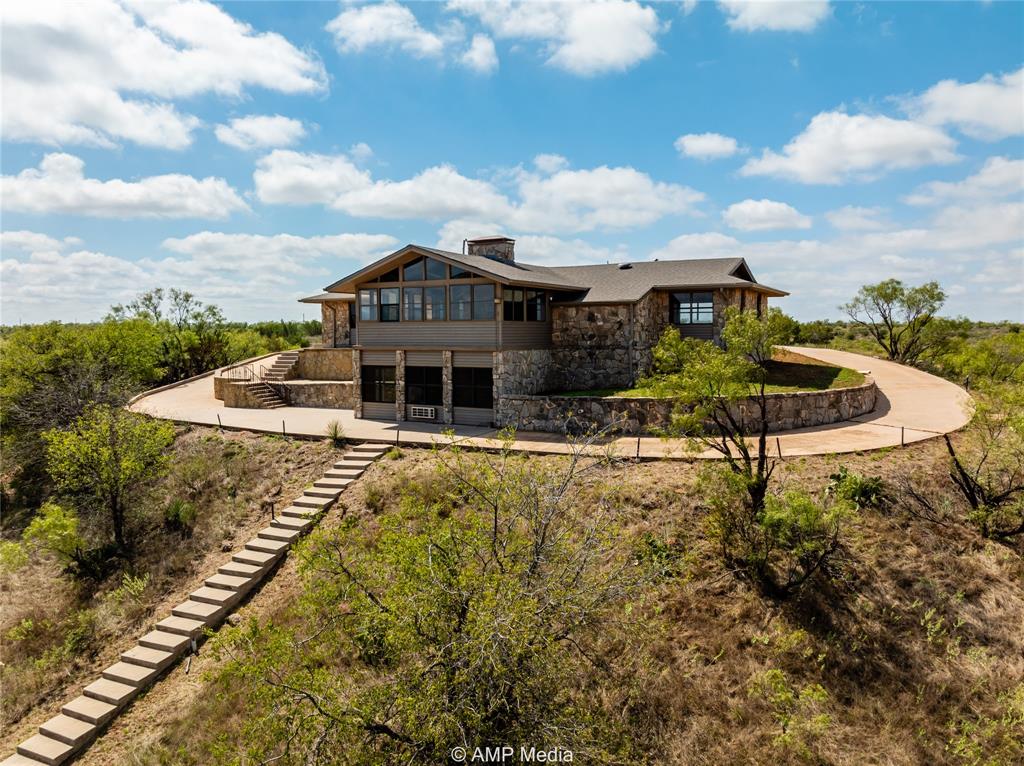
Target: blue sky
[(254, 152)]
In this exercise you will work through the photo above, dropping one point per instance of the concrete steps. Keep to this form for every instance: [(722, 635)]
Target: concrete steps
[(80, 720)]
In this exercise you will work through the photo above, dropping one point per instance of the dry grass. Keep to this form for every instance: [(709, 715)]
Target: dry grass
[(920, 630), (79, 628)]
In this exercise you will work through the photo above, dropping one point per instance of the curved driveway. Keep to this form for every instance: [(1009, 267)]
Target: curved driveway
[(912, 406)]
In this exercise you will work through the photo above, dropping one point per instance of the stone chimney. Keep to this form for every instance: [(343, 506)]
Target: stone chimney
[(498, 248)]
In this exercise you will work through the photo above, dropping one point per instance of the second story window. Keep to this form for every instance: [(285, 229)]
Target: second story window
[(433, 303), (412, 304), (515, 309), (368, 305), (483, 301), (389, 304), (536, 306), (691, 308), (462, 301)]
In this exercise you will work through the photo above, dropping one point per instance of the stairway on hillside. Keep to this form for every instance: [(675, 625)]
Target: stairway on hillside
[(67, 734), (283, 364), (265, 396)]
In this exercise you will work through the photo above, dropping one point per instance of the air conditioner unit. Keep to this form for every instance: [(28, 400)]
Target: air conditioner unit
[(423, 413)]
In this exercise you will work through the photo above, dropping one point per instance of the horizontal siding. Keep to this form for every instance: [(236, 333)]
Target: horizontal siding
[(702, 331), (515, 335), (379, 357), (379, 410), (434, 335), (472, 359), (422, 358), (471, 416)]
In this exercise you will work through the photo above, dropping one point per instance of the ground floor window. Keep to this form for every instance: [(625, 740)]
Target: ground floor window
[(423, 385), (378, 383), (691, 308), (472, 387)]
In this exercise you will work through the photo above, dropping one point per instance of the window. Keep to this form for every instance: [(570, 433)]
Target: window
[(378, 384), (462, 301), (433, 303), (423, 385), (691, 308), (483, 301), (515, 310), (413, 270), (412, 304), (472, 387), (460, 273), (435, 269), (368, 305), (536, 306), (389, 304), (390, 276)]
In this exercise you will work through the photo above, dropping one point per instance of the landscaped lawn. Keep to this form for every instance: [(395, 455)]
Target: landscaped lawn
[(790, 372)]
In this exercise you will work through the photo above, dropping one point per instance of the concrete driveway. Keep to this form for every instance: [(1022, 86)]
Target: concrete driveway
[(912, 406)]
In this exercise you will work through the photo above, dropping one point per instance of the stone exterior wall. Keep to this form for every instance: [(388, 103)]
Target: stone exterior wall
[(399, 385), (522, 372), (319, 393), (447, 408), (357, 379), (324, 364), (558, 414), (591, 346), (335, 332)]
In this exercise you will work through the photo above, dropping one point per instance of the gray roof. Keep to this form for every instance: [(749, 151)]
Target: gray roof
[(327, 297), (629, 282), (601, 283)]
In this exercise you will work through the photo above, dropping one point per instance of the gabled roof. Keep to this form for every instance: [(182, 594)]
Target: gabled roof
[(601, 283), (508, 273), (629, 282)]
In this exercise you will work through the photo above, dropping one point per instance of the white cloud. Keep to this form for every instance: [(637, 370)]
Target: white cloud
[(706, 146), (293, 178), (1000, 177), (836, 146), (437, 192), (991, 108), (385, 24), (584, 38), (775, 15), (361, 153), (481, 55), (710, 244), (764, 215), (59, 185), (550, 163), (260, 131), (554, 200), (101, 72), (32, 241), (853, 218), (599, 198), (530, 248), (227, 269)]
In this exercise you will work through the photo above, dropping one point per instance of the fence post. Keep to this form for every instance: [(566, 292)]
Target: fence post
[(398, 435), (283, 432), (219, 424), (903, 442), (638, 448)]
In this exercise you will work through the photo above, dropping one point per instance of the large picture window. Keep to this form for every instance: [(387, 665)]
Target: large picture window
[(472, 387), (691, 308), (378, 383), (515, 307), (433, 303), (462, 301), (423, 385), (389, 304), (412, 304), (483, 301), (368, 305)]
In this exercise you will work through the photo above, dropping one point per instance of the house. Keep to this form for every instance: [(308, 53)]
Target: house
[(445, 337)]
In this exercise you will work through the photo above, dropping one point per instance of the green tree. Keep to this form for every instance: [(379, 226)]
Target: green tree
[(998, 358), (108, 454), (469, 617), (900, 318)]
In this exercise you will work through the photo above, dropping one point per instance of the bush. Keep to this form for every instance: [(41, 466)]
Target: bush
[(180, 517), (780, 547), (861, 491), (797, 710), (55, 530), (336, 433)]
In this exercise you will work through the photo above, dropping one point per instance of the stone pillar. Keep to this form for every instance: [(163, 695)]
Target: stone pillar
[(327, 324), (357, 384), (448, 411), (399, 386), (342, 334)]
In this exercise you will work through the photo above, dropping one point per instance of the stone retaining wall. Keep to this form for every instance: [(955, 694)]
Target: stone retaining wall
[(556, 414), (335, 394), (324, 364)]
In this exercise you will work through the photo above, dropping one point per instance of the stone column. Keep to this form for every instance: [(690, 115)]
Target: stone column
[(448, 411), (357, 384), (399, 386)]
